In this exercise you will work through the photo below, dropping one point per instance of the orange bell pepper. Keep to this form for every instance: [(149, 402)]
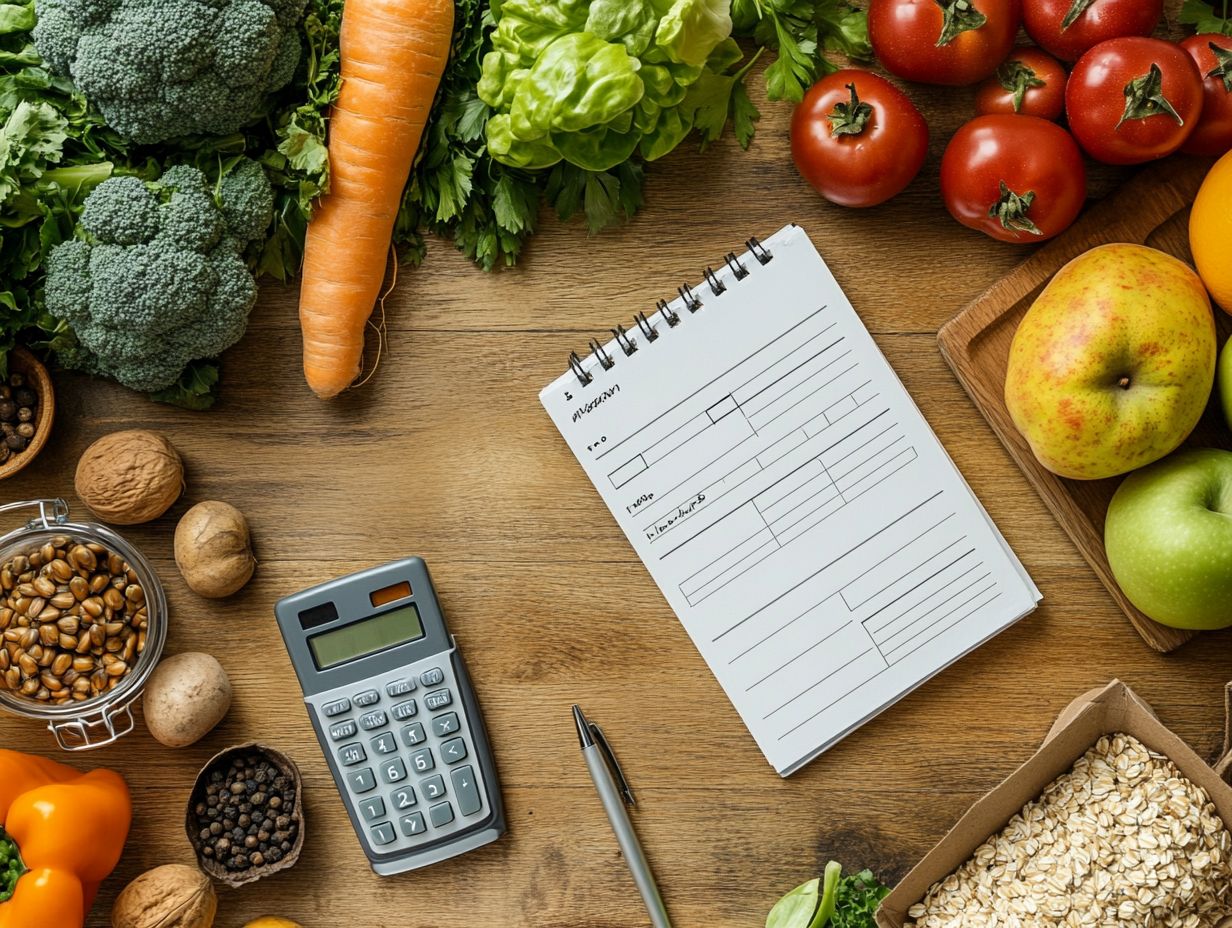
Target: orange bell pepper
[(64, 831)]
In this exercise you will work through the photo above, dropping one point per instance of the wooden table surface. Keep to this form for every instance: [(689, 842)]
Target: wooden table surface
[(447, 453)]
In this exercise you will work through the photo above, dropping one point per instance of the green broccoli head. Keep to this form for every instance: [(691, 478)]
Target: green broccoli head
[(160, 69), (157, 278)]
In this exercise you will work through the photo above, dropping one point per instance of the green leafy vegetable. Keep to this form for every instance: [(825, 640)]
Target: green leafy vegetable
[(1207, 16), (161, 69), (835, 900), (155, 278), (590, 84)]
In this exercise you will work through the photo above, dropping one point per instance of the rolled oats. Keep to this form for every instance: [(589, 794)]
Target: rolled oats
[(1123, 840)]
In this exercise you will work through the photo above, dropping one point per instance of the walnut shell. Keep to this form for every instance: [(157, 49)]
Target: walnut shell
[(213, 549), (130, 477), (212, 866), (172, 896)]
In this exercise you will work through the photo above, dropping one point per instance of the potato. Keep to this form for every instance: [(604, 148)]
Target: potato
[(187, 695), (171, 896), (214, 550), (130, 477)]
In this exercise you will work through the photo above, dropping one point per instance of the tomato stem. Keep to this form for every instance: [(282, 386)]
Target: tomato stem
[(1011, 211), (1223, 66), (958, 16), (1144, 98), (1017, 78), (1071, 17), (850, 118)]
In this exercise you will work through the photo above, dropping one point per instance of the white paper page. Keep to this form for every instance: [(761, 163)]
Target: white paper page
[(791, 502)]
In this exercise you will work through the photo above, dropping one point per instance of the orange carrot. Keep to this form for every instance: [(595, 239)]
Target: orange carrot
[(393, 55)]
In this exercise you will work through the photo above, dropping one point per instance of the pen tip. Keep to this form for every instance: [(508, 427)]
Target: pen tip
[(583, 727)]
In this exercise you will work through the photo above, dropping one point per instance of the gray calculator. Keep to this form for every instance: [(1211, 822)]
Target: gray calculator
[(394, 711)]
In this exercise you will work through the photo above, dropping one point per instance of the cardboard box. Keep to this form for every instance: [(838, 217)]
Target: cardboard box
[(1113, 708)]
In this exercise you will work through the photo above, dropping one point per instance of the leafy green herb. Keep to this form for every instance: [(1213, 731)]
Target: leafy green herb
[(801, 31), (835, 900), (1207, 16)]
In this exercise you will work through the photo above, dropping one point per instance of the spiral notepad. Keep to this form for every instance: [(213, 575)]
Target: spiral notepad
[(791, 502)]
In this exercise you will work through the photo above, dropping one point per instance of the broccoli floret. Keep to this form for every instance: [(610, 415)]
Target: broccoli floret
[(157, 277), (247, 200), (160, 69)]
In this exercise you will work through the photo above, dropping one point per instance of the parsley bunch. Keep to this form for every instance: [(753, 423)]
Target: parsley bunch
[(1207, 16)]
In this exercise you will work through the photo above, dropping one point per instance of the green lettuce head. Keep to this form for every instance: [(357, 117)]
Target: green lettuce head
[(593, 82)]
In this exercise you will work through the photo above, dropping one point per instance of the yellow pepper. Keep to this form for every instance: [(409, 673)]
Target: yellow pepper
[(61, 834)]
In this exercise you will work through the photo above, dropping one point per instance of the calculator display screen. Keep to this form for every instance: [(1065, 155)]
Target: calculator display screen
[(367, 636)]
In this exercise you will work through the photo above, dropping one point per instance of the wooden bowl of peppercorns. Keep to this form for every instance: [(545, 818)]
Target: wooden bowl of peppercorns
[(27, 406), (245, 816)]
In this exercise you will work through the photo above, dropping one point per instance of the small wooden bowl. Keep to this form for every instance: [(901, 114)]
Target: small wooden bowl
[(23, 362), (212, 867)]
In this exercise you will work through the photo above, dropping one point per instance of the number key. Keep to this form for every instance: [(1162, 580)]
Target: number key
[(361, 780), (383, 834), (413, 735), (433, 787), (352, 754), (422, 760), (446, 724), (413, 824), (393, 771), (385, 744), (373, 810), (402, 798)]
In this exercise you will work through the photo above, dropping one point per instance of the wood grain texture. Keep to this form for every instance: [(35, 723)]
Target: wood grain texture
[(447, 453), (1152, 209)]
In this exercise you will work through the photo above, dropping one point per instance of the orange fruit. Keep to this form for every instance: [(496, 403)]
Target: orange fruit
[(1210, 232)]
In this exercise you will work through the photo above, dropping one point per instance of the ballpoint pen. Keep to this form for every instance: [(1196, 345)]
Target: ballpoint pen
[(605, 771)]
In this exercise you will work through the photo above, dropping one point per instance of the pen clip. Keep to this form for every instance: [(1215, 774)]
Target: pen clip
[(626, 793)]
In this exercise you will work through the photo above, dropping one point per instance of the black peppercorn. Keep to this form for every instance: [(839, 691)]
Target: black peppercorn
[(25, 414), (16, 380), (25, 397), (15, 442), (8, 410), (26, 430)]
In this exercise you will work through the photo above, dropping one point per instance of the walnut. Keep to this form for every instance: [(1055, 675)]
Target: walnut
[(172, 896), (130, 477)]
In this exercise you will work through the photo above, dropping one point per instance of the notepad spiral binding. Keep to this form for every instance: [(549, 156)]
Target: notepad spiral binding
[(628, 343)]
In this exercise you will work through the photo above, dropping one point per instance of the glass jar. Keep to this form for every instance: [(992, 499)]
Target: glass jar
[(99, 720)]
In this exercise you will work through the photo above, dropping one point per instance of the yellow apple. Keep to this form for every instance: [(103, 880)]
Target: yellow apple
[(1112, 365)]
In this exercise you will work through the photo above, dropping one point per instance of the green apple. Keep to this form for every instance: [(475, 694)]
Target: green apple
[(1168, 535), (1225, 381), (1112, 366)]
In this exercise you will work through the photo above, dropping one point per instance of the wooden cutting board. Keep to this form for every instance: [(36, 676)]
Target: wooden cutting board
[(1152, 209)]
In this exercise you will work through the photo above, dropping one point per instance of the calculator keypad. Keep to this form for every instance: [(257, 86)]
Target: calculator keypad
[(430, 786)]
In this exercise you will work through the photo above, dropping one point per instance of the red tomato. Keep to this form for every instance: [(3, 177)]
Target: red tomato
[(1213, 134), (1029, 82), (857, 138), (1016, 178), (954, 42), (1133, 99), (1067, 28)]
